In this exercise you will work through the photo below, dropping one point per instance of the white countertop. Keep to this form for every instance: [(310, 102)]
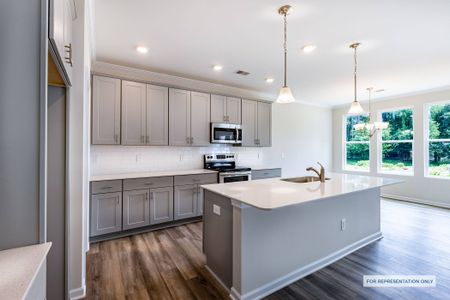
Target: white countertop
[(18, 268), (151, 174), (274, 193)]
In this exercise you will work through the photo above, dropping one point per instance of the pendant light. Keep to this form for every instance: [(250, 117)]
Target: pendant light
[(355, 108), (372, 127), (285, 95)]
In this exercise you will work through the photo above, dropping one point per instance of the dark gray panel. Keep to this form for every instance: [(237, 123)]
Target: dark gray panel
[(56, 192), (217, 236), (20, 90)]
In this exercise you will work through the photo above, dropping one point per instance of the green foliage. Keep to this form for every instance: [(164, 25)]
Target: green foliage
[(356, 135), (440, 121)]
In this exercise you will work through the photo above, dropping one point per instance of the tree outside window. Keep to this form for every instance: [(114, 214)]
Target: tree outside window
[(357, 148), (397, 142), (439, 140)]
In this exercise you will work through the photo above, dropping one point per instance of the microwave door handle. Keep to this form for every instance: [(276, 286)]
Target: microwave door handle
[(237, 135)]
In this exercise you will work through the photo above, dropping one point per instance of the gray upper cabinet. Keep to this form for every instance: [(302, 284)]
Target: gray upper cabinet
[(133, 113), (225, 109), (218, 109), (106, 213), (256, 123), (61, 15), (200, 118), (179, 117), (233, 110), (264, 124), (189, 118), (136, 212), (157, 115), (161, 205), (105, 111), (249, 122), (186, 201)]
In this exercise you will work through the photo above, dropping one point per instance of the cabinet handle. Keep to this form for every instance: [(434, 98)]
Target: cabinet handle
[(142, 139), (192, 140), (149, 183), (68, 49), (151, 196), (228, 118), (116, 138), (188, 140), (147, 139), (107, 187), (118, 201), (195, 180), (224, 118)]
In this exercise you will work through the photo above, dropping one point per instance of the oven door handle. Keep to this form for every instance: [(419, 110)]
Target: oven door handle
[(235, 174)]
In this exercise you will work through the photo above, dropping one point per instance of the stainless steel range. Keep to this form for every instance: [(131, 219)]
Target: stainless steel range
[(225, 164)]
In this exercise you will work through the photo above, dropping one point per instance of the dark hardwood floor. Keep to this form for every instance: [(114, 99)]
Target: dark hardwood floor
[(168, 264)]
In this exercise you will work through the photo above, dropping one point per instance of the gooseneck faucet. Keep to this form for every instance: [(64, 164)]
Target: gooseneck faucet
[(321, 174)]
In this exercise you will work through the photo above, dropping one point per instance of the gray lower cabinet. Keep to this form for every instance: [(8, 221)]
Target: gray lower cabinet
[(200, 193), (161, 205), (185, 201), (136, 209), (106, 213)]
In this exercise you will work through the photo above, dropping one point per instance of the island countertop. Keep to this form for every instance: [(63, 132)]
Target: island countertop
[(274, 193)]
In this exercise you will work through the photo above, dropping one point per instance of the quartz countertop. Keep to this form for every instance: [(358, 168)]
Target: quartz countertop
[(274, 193), (19, 267), (151, 174)]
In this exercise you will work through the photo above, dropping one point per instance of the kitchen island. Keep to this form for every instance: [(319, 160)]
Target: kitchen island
[(260, 236)]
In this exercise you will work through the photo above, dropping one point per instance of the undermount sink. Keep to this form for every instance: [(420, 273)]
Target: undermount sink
[(304, 179)]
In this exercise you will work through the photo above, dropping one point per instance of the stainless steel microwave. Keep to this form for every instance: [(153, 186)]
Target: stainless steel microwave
[(224, 133)]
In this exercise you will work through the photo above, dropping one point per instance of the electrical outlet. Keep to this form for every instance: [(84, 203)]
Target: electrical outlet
[(216, 209), (343, 224), (181, 157)]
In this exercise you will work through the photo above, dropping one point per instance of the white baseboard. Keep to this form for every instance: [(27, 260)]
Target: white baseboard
[(415, 200), (279, 283), (77, 293)]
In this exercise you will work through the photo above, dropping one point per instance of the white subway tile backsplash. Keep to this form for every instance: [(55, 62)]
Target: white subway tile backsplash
[(123, 159)]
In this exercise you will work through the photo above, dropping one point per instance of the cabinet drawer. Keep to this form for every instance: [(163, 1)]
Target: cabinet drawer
[(109, 186), (266, 173), (196, 179), (146, 183)]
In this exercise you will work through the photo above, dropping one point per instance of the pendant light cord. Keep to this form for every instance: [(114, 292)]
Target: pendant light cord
[(356, 97), (285, 51)]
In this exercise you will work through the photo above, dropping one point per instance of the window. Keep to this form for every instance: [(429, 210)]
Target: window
[(438, 143), (357, 144), (397, 142)]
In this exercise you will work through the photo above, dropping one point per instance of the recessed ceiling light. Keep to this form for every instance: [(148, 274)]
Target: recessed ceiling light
[(217, 67), (309, 48), (269, 79), (142, 49)]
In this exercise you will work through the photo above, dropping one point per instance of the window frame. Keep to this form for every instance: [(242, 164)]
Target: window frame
[(380, 142), (345, 142), (427, 140)]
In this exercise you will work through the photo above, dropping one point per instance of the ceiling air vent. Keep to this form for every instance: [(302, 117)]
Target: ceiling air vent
[(243, 73)]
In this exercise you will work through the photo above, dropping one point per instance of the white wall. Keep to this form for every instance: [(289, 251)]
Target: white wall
[(78, 153), (301, 135), (418, 188)]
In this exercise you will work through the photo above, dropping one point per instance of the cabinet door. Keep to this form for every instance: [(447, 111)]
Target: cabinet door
[(161, 205), (133, 113), (200, 118), (61, 15), (264, 124), (199, 201), (157, 115), (106, 213), (105, 111), (185, 201), (179, 117), (233, 110), (249, 122), (218, 108), (136, 209)]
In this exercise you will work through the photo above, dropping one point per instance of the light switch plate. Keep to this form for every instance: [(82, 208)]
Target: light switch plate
[(216, 209)]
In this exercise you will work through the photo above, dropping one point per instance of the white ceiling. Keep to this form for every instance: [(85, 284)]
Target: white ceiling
[(405, 43)]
